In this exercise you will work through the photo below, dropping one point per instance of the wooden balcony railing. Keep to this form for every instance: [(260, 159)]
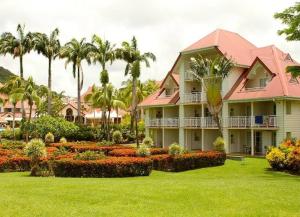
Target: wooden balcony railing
[(162, 122), (200, 122), (259, 121)]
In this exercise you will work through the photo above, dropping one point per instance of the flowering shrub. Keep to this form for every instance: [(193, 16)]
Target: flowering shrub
[(132, 152), (148, 141), (108, 167), (276, 158), (63, 140), (143, 151), (49, 138), (177, 163), (104, 149), (175, 149), (14, 164), (89, 155)]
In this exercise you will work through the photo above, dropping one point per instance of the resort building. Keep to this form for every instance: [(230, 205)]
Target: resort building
[(261, 101)]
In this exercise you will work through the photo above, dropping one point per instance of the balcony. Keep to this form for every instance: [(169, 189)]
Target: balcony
[(195, 97), (200, 122), (259, 121), (189, 76), (162, 122)]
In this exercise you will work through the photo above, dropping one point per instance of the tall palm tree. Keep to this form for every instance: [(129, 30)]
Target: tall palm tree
[(49, 47), (12, 89), (75, 52), (17, 46), (133, 57), (103, 52), (211, 73)]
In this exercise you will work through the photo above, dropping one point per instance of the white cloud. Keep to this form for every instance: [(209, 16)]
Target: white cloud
[(162, 27)]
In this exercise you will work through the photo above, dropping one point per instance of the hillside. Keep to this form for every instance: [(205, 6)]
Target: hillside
[(5, 74)]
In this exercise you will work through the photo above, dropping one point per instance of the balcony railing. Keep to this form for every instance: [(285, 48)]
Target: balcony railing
[(162, 122), (189, 76), (200, 122), (259, 121), (194, 97)]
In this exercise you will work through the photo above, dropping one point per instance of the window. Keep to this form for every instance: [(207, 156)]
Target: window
[(231, 113), (288, 107), (196, 137), (263, 82), (288, 135), (168, 92)]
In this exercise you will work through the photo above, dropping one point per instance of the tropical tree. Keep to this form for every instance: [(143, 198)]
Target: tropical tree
[(291, 18), (12, 89), (103, 52), (133, 57), (17, 46), (48, 46), (211, 73), (75, 52)]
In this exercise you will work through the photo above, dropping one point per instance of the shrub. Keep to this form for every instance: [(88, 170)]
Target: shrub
[(175, 149), (143, 151), (104, 149), (9, 144), (63, 140), (219, 144), (117, 137), (89, 155), (276, 158), (109, 167), (177, 163), (14, 164), (8, 134), (49, 138), (60, 151), (148, 141), (131, 152), (35, 150), (105, 143)]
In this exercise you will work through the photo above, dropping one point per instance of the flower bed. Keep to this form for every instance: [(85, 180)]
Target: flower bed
[(132, 152), (109, 167), (189, 161), (14, 164), (104, 149)]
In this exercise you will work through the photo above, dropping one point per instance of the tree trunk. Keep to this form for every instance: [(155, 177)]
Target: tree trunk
[(14, 116), (108, 125), (217, 120), (133, 104), (78, 96), (136, 130), (28, 122), (49, 86), (117, 110), (22, 77)]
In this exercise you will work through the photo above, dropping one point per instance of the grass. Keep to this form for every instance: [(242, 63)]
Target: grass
[(235, 189)]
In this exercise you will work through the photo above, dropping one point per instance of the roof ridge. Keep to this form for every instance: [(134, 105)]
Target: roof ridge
[(279, 68)]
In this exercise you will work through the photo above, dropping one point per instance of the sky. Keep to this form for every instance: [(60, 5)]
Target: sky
[(161, 27)]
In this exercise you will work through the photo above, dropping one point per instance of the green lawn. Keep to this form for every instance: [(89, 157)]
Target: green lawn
[(230, 190)]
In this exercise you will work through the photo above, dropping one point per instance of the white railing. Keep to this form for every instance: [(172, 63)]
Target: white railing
[(189, 76), (259, 121), (162, 122), (200, 122), (192, 97)]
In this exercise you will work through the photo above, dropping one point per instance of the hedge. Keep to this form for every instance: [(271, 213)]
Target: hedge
[(14, 164), (104, 149), (189, 161), (109, 167), (132, 152)]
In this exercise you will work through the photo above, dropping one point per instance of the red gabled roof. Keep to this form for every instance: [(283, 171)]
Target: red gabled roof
[(229, 43), (154, 99)]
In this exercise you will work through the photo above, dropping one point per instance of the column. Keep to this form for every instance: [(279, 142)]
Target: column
[(202, 129), (147, 119), (225, 126), (163, 129), (252, 130)]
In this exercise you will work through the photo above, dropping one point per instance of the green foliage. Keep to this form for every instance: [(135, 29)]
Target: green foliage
[(62, 140), (35, 149), (105, 143), (175, 149), (89, 155), (148, 141), (10, 144), (143, 151), (8, 134), (60, 151), (58, 126), (5, 75), (117, 137), (49, 138), (219, 144)]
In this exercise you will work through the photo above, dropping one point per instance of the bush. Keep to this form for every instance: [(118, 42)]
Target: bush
[(105, 143), (63, 140), (89, 155), (117, 137), (104, 149), (10, 144), (35, 150), (177, 163), (49, 138), (219, 144), (175, 149), (14, 164), (148, 141), (276, 158), (131, 152), (8, 134), (109, 167), (143, 151)]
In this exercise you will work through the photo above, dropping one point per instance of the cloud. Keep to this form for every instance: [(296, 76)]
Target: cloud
[(162, 27)]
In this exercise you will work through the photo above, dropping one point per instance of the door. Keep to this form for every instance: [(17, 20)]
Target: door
[(258, 142)]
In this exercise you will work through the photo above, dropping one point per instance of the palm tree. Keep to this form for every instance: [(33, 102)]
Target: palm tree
[(211, 73), (49, 47), (75, 52), (17, 46), (103, 52), (133, 57), (12, 89)]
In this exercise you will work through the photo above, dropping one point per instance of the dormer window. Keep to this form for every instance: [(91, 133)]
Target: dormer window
[(258, 78), (168, 92), (263, 82)]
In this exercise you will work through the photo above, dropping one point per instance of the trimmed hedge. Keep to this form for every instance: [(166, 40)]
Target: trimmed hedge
[(109, 167), (187, 161), (97, 148), (132, 152), (14, 164)]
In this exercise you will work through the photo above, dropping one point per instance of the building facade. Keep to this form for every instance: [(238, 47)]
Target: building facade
[(261, 101)]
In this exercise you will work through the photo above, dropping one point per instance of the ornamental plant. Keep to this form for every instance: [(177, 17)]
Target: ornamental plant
[(143, 151), (89, 155), (148, 141), (35, 150), (49, 138), (63, 140), (117, 137), (219, 144), (176, 149), (276, 158)]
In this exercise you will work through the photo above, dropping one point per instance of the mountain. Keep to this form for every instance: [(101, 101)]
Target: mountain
[(5, 74)]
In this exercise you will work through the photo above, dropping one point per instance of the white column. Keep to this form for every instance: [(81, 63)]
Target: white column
[(252, 130), (163, 129), (202, 129)]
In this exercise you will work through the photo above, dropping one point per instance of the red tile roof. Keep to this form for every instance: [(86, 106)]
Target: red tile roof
[(155, 99)]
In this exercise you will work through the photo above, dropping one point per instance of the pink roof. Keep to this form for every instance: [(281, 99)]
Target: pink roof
[(155, 99), (229, 43)]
